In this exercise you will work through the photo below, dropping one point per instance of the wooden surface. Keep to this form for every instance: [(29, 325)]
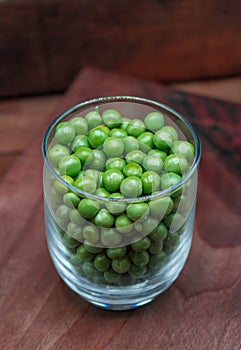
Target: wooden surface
[(20, 119), (44, 43), (202, 310)]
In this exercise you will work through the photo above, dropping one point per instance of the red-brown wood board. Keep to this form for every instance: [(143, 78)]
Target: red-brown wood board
[(201, 310)]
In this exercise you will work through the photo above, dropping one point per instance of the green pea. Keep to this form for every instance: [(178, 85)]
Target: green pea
[(92, 249), (97, 137), (161, 207), (121, 265), (113, 147), (153, 163), (100, 183), (158, 153), (104, 219), (91, 234), (65, 134), (172, 132), (123, 224), (150, 181), (75, 260), (88, 208), (176, 163), (172, 239), (80, 125), (174, 221), (75, 231), (139, 259), (137, 271), (75, 217), (160, 233), (137, 211), (184, 148), (62, 212), (132, 169), (118, 133), (90, 270), (181, 204), (162, 140), (102, 192), (131, 187), (93, 173), (116, 253), (149, 225), (93, 119), (83, 153), (116, 207), (86, 183), (157, 260), (69, 165), (146, 141), (96, 160), (169, 179), (130, 144), (61, 188), (124, 123), (83, 254), (57, 152), (106, 129), (101, 262), (111, 276), (110, 237), (60, 125), (112, 179), (111, 118), (115, 163), (69, 241), (135, 128), (71, 200), (79, 141), (154, 121), (141, 245), (61, 225), (135, 157), (138, 226), (156, 247)]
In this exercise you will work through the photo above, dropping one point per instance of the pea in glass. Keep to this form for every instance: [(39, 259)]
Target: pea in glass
[(120, 183)]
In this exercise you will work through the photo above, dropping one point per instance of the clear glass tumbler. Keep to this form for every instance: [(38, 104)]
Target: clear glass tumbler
[(120, 184)]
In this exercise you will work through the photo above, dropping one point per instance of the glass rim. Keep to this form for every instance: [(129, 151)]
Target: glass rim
[(134, 99)]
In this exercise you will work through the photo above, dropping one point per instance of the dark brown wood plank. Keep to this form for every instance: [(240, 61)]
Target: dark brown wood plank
[(202, 310), (43, 44), (20, 119)]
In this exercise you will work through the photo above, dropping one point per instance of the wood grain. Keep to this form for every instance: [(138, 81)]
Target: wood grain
[(20, 119), (202, 310), (43, 44)]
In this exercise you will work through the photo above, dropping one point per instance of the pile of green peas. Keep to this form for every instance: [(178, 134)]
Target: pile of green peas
[(109, 156)]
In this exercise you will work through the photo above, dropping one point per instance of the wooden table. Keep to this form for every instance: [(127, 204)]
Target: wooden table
[(202, 309)]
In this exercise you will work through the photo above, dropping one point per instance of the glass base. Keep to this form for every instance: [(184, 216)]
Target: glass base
[(118, 297)]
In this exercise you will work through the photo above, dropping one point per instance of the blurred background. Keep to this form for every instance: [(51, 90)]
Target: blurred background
[(193, 45)]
